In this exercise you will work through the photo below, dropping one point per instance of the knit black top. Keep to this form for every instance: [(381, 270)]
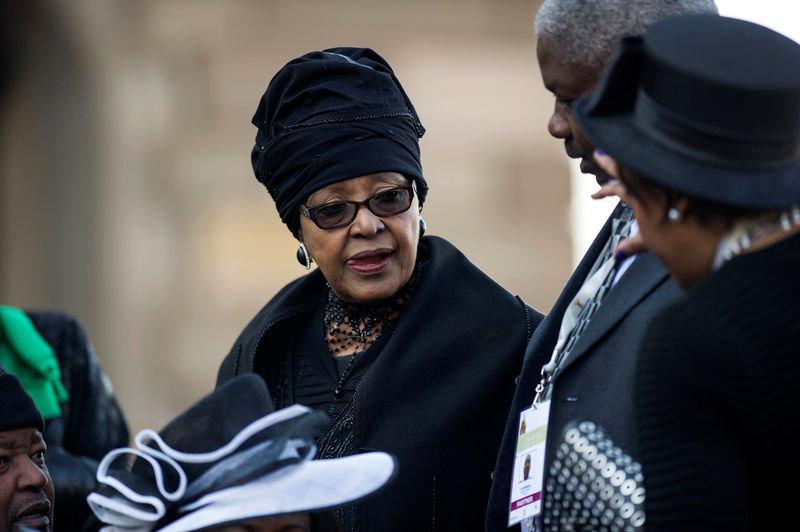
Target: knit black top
[(718, 418)]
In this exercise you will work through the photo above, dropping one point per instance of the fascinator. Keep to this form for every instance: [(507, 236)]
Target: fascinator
[(229, 458)]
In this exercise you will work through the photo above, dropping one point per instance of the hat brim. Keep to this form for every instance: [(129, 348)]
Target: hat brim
[(754, 188), (312, 486)]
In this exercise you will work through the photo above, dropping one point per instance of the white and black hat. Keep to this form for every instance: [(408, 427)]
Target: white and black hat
[(229, 458)]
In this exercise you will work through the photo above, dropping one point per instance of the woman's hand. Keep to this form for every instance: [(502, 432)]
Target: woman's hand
[(628, 246)]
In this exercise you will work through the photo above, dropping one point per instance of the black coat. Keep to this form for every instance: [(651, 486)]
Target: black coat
[(596, 381), (91, 422), (435, 397)]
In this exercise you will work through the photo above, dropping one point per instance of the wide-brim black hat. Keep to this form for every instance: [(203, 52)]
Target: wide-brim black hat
[(705, 105)]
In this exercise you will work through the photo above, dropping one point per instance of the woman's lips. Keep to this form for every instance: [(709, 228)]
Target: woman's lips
[(369, 261)]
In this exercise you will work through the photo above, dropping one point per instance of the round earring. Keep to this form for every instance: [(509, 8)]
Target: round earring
[(303, 257), (422, 227), (674, 215)]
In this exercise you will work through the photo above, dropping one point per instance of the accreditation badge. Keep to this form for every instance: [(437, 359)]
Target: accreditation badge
[(527, 478)]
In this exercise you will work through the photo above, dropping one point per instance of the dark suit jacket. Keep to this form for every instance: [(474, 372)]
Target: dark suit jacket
[(596, 380)]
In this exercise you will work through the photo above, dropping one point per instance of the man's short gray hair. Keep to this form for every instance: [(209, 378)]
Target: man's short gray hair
[(588, 31)]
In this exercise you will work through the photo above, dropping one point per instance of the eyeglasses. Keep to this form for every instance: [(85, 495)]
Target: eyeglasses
[(340, 213)]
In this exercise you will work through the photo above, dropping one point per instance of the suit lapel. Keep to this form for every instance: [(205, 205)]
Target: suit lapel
[(643, 276), (546, 334)]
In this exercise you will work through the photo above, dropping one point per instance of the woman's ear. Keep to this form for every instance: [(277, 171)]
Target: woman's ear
[(681, 204)]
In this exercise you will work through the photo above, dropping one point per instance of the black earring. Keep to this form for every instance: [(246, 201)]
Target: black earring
[(303, 257), (422, 227)]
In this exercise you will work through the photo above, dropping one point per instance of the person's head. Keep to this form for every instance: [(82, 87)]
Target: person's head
[(576, 40), (231, 463), (26, 490), (702, 116), (336, 127)]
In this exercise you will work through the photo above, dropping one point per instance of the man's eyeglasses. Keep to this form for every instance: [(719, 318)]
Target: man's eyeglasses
[(340, 213)]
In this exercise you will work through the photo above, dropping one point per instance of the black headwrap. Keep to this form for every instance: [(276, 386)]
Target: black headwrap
[(18, 410), (329, 116)]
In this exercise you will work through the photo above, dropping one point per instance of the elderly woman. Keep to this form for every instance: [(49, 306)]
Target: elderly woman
[(406, 345), (701, 123), (231, 463)]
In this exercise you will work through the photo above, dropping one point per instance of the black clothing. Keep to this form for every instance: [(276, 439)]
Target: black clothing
[(716, 399), (91, 423), (18, 411), (596, 381), (434, 396)]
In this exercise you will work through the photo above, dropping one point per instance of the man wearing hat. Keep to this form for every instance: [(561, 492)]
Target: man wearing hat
[(26, 490), (579, 363)]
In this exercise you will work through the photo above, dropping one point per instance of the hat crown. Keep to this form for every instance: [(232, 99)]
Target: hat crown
[(747, 89), (333, 84)]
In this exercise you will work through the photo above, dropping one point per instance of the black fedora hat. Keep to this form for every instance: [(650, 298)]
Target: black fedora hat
[(705, 105)]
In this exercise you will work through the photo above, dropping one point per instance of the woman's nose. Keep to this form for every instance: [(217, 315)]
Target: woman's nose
[(366, 223)]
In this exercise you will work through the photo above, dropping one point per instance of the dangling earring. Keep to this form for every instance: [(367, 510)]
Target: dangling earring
[(303, 257), (674, 215), (422, 227)]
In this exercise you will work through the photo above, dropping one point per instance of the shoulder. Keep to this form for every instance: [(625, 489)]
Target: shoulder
[(293, 299), (451, 277)]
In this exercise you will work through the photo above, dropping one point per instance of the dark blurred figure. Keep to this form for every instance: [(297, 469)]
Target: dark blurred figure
[(26, 491), (56, 363)]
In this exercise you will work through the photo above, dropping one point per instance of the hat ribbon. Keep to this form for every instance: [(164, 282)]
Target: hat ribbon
[(725, 147), (129, 513)]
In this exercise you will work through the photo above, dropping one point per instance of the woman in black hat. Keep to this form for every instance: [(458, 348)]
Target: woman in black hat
[(700, 119), (404, 343)]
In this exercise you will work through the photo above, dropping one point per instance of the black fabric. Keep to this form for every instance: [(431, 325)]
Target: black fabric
[(315, 376), (18, 408), (91, 424), (596, 381), (329, 116), (705, 105), (435, 397), (716, 399)]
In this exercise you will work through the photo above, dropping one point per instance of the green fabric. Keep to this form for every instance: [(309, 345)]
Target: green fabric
[(25, 353)]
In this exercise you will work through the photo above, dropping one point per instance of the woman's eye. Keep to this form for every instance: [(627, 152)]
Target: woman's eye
[(389, 196), (335, 209)]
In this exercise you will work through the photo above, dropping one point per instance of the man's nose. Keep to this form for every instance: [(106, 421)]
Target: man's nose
[(558, 125), (32, 475)]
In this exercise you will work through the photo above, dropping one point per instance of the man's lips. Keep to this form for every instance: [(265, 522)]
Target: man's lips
[(35, 516), (370, 261)]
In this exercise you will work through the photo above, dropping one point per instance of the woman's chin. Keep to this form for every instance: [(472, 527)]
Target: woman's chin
[(365, 292)]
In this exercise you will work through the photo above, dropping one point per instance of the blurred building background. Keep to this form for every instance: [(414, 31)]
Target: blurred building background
[(126, 192)]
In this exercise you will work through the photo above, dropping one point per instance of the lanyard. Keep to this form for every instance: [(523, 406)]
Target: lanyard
[(584, 302)]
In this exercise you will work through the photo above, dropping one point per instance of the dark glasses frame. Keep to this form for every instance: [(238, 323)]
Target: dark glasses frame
[(311, 212)]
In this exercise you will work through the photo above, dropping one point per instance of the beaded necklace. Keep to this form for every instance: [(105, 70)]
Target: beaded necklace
[(745, 233), (358, 326)]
